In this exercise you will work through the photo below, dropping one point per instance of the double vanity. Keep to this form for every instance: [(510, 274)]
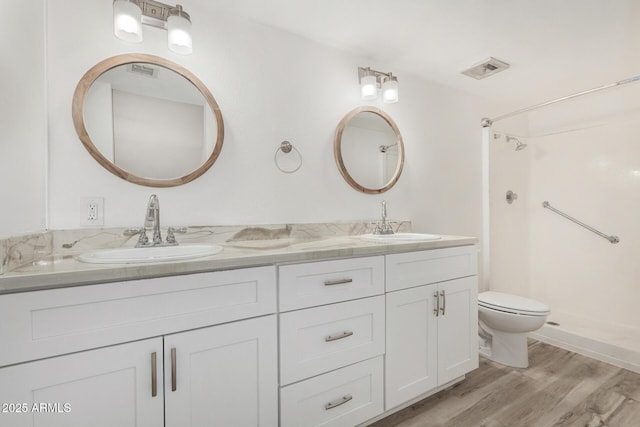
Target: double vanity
[(336, 331)]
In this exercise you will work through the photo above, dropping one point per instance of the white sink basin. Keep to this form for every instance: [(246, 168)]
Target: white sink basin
[(152, 254), (399, 237)]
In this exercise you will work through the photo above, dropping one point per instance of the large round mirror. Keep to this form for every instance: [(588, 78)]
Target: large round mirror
[(148, 120), (368, 149)]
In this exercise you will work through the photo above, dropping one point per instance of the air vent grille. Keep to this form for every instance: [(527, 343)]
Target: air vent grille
[(486, 68), (144, 69)]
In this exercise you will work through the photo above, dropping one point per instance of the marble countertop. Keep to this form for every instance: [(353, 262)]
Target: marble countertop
[(61, 269)]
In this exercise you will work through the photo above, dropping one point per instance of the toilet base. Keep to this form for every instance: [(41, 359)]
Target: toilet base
[(509, 349)]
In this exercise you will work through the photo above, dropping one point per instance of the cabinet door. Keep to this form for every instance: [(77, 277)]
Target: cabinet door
[(106, 387), (411, 357), (224, 375), (457, 328)]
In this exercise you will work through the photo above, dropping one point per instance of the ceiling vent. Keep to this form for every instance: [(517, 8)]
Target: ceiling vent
[(486, 68), (144, 69)]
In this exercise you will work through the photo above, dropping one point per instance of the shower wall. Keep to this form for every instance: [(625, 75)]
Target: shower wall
[(590, 171)]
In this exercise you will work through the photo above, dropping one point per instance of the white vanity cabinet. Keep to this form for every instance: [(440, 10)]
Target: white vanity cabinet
[(431, 326), (221, 375), (331, 342), (322, 343), (203, 352)]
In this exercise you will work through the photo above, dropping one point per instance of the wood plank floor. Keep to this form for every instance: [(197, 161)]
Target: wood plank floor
[(560, 388)]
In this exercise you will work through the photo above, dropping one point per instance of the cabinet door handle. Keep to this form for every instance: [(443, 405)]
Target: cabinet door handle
[(336, 403), (154, 375), (436, 310), (444, 302), (337, 282), (338, 337), (174, 370)]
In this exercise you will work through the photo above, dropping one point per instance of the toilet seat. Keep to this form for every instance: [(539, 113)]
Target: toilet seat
[(512, 304)]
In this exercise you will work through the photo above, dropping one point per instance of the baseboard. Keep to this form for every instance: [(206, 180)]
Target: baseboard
[(605, 352)]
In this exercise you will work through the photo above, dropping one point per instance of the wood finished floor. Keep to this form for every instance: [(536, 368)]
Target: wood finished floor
[(560, 388)]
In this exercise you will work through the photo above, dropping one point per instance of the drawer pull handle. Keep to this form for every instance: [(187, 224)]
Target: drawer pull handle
[(337, 282), (444, 302), (174, 369), (154, 375), (336, 403), (436, 310), (338, 337)]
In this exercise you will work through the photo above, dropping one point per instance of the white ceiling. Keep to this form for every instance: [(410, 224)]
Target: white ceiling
[(555, 47)]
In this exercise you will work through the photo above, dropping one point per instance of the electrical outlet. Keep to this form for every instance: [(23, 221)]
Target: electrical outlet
[(91, 210)]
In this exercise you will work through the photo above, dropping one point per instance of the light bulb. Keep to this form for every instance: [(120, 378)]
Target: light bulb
[(179, 31), (368, 87), (390, 89), (127, 24)]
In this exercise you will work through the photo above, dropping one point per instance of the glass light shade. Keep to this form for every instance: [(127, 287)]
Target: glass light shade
[(390, 90), (368, 87), (179, 34), (127, 24)]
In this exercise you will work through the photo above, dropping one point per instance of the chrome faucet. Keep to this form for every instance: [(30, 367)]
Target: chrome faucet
[(384, 226), (152, 219), (152, 222)]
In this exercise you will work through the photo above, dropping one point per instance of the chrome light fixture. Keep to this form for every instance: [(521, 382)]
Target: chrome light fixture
[(372, 80), (129, 15), (127, 21)]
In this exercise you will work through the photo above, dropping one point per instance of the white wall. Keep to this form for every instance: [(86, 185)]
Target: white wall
[(22, 118), (270, 86)]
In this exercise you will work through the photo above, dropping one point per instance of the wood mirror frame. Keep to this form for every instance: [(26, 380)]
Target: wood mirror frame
[(78, 117), (337, 150)]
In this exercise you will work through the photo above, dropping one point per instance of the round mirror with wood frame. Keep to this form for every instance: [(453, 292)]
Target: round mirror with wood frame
[(368, 149), (168, 125)]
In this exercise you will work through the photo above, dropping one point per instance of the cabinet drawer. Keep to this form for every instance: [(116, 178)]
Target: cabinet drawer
[(47, 323), (410, 269), (320, 339), (316, 283), (346, 397)]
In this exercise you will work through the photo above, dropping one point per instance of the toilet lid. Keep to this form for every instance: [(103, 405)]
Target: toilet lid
[(512, 303)]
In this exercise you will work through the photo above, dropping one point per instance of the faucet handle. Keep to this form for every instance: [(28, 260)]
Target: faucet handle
[(380, 228), (171, 238), (143, 239)]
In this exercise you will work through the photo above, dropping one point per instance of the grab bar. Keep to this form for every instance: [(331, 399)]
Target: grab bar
[(612, 239)]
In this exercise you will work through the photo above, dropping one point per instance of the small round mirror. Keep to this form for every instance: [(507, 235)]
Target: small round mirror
[(148, 120), (368, 149)]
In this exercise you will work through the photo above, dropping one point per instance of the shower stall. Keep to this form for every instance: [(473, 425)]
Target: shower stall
[(562, 217)]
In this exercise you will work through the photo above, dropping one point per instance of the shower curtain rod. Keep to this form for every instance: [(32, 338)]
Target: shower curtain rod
[(486, 122)]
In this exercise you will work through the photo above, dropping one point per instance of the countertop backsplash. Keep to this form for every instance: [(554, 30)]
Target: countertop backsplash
[(21, 251)]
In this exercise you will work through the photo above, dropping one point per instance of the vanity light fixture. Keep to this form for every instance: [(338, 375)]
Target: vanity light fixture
[(129, 15), (372, 80)]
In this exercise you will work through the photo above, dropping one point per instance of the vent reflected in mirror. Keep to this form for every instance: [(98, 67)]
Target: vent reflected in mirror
[(148, 120)]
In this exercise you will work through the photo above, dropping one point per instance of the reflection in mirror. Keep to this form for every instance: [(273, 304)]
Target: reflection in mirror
[(148, 120), (369, 150)]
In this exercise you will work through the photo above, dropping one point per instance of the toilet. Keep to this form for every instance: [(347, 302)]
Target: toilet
[(503, 323)]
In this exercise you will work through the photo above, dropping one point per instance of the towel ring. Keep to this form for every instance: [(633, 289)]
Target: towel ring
[(286, 147)]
